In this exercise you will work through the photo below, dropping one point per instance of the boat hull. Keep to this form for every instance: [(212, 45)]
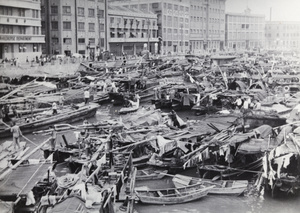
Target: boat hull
[(73, 116), (173, 196)]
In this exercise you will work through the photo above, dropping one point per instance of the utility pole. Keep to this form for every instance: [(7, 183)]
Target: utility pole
[(148, 44), (106, 25)]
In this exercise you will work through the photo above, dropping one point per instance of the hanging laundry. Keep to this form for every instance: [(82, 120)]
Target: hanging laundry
[(30, 199), (287, 160), (279, 162), (221, 152), (265, 166)]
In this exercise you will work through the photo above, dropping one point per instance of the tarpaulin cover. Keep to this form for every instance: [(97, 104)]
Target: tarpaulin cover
[(254, 146), (23, 179)]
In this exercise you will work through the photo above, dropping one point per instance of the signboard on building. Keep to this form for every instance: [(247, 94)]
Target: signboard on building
[(14, 38)]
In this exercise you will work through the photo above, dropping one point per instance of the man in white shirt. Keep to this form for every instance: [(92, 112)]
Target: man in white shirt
[(86, 96)]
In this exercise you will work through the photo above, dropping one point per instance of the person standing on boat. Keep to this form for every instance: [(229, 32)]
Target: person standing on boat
[(61, 100), (54, 108), (15, 129), (53, 137), (86, 96)]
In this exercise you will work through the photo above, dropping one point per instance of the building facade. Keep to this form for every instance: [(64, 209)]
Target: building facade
[(173, 22), (244, 30), (74, 26), (131, 31), (207, 25), (20, 29), (282, 35)]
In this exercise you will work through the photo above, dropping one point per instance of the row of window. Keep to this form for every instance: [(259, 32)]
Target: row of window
[(91, 41), (284, 34), (211, 10), (66, 10), (67, 25), (246, 19), (23, 48), (211, 20), (9, 11), (176, 7), (169, 43), (246, 26), (175, 31), (9, 29), (209, 31), (285, 27)]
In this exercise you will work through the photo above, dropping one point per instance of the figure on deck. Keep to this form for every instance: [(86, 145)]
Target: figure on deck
[(15, 129)]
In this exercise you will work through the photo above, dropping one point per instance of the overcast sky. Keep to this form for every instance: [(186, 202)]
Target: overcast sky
[(282, 10)]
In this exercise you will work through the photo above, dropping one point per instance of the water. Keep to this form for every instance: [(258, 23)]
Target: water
[(209, 204)]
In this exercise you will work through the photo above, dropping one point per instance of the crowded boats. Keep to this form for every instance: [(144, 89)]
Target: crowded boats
[(231, 120)]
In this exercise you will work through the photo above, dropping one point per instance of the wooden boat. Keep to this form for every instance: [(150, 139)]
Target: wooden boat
[(67, 115), (133, 108), (150, 174), (222, 187), (172, 195), (125, 110)]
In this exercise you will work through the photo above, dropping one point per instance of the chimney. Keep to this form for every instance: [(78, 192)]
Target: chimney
[(270, 13)]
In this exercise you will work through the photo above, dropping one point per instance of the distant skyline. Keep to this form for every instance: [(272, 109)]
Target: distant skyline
[(282, 10)]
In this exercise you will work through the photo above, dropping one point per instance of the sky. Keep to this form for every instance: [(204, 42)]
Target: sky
[(282, 10)]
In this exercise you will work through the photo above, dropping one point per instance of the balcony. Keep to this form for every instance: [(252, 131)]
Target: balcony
[(20, 21), (20, 38)]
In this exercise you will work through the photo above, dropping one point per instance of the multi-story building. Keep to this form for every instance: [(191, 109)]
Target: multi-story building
[(74, 26), (131, 31), (282, 35), (173, 21), (20, 29), (207, 25), (244, 30)]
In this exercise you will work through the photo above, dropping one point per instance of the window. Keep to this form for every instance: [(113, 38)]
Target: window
[(101, 27), (35, 48), (22, 48), (35, 30), (21, 12), (101, 13), (67, 41), (67, 25), (6, 11), (81, 40), (155, 5), (6, 29), (22, 30), (54, 9), (112, 19), (54, 25), (91, 27), (91, 13), (81, 26), (91, 41), (66, 9), (54, 40), (80, 11)]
